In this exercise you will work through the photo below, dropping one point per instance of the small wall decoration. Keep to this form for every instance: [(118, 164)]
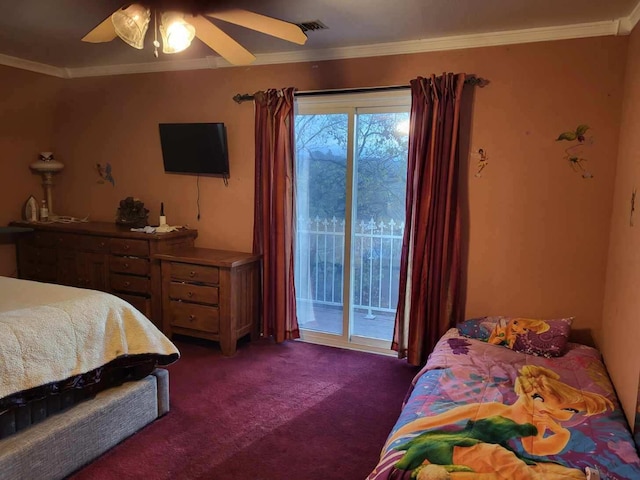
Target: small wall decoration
[(574, 153), (633, 207), (636, 427), (105, 174), (483, 160)]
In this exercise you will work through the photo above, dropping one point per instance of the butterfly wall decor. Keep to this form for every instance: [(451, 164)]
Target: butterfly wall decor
[(574, 153), (105, 174)]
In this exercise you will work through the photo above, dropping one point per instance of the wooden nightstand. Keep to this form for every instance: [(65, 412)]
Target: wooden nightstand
[(212, 294)]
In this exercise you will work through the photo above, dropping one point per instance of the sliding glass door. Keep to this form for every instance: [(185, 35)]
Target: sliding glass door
[(321, 206), (350, 190)]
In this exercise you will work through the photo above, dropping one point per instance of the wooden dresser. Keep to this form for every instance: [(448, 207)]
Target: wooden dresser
[(212, 294), (100, 256)]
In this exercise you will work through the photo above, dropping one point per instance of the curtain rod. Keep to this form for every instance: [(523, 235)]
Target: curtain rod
[(471, 80)]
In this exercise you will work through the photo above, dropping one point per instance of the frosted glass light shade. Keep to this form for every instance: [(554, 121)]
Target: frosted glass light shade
[(177, 33), (131, 24), (49, 166)]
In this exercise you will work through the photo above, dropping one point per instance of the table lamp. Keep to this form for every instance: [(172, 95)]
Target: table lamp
[(47, 166)]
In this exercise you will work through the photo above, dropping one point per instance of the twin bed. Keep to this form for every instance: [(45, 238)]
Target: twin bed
[(58, 347), (482, 408)]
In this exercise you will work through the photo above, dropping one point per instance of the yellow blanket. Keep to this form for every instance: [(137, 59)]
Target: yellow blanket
[(49, 333)]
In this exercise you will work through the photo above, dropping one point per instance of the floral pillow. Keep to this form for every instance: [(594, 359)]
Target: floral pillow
[(545, 338), (479, 328)]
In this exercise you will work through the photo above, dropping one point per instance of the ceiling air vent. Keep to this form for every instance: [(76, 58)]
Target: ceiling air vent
[(312, 25)]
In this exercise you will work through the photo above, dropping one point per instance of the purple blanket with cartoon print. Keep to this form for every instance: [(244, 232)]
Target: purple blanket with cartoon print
[(482, 411)]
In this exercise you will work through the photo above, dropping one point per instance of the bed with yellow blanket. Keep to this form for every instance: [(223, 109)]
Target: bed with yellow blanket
[(478, 410)]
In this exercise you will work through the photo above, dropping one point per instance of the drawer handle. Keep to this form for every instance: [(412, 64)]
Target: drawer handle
[(126, 265), (189, 294), (192, 317), (192, 273), (126, 247), (127, 284), (101, 244)]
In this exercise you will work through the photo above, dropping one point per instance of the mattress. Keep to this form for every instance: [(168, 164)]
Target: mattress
[(29, 407)]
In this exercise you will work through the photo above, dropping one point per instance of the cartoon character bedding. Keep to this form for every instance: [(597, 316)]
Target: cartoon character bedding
[(480, 411)]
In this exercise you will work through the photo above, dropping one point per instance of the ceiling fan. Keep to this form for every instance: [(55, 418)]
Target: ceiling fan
[(178, 26)]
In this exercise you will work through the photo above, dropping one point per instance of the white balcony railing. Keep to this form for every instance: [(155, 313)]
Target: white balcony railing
[(375, 263)]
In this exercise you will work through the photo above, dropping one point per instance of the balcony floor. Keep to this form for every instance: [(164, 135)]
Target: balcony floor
[(328, 319)]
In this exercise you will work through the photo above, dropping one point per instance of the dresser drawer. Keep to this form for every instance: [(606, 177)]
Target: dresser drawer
[(31, 254), (66, 240), (132, 265), (94, 244), (42, 273), (186, 272), (123, 246), (129, 283), (143, 304), (43, 239), (193, 293), (195, 317)]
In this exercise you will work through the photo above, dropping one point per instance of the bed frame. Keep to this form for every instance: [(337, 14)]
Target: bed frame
[(65, 442)]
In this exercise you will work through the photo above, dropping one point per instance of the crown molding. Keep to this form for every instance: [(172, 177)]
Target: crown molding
[(150, 67), (621, 26), (457, 42), (628, 23), (43, 68)]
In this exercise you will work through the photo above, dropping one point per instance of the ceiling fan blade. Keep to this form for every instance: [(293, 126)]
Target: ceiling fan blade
[(219, 41), (105, 32), (261, 23)]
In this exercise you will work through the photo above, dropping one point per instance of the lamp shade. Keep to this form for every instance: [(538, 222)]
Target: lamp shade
[(49, 166), (131, 24), (177, 33)]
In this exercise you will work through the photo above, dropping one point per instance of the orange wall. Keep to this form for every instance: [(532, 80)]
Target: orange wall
[(27, 106), (538, 231), (621, 327)]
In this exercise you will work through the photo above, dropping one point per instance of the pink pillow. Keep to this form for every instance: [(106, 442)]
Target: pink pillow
[(545, 338)]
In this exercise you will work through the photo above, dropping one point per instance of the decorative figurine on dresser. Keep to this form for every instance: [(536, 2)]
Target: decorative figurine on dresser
[(101, 256), (131, 213)]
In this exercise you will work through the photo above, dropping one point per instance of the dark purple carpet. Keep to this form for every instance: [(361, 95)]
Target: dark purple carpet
[(271, 412)]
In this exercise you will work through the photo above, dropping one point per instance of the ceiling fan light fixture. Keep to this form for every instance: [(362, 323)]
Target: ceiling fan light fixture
[(176, 32), (131, 24)]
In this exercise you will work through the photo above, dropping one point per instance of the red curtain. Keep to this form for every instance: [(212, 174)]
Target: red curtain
[(430, 267), (273, 227)]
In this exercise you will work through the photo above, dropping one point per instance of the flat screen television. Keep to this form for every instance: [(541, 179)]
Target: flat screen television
[(195, 148)]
